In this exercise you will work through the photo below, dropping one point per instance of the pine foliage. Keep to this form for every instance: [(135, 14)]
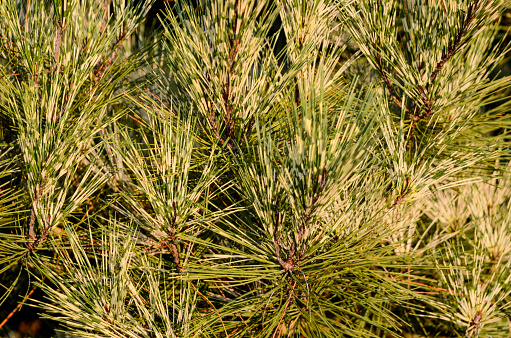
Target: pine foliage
[(243, 168)]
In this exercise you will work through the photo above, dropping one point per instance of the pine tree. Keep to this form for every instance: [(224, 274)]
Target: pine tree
[(243, 168)]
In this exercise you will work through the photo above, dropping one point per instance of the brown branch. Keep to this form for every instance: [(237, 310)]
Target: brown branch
[(397, 201), (211, 117), (173, 247), (57, 46), (32, 246), (456, 43), (411, 114), (447, 54), (307, 216), (288, 264), (214, 126), (229, 117), (414, 119), (226, 91), (427, 103), (64, 106), (100, 69), (226, 136), (39, 191), (388, 84), (105, 17), (292, 259), (18, 306), (297, 96), (247, 131), (175, 253), (404, 192), (118, 42), (291, 293)]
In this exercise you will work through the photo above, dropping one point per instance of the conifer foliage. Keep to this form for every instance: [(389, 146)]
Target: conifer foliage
[(243, 168)]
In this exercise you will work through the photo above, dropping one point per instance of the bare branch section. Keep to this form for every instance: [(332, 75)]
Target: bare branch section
[(46, 229)]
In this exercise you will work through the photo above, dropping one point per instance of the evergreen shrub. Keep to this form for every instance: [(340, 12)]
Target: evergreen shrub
[(244, 168)]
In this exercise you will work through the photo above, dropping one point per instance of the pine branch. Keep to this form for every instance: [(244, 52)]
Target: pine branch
[(172, 237), (388, 84), (31, 233), (60, 31), (402, 194), (20, 304), (455, 43), (100, 68), (427, 102), (288, 264)]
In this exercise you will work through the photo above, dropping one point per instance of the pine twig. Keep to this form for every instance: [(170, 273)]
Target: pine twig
[(453, 47), (31, 233), (276, 240), (288, 264), (388, 84), (173, 247), (226, 90), (105, 16), (402, 194), (18, 306), (290, 297), (100, 69), (292, 259), (455, 44), (56, 52)]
